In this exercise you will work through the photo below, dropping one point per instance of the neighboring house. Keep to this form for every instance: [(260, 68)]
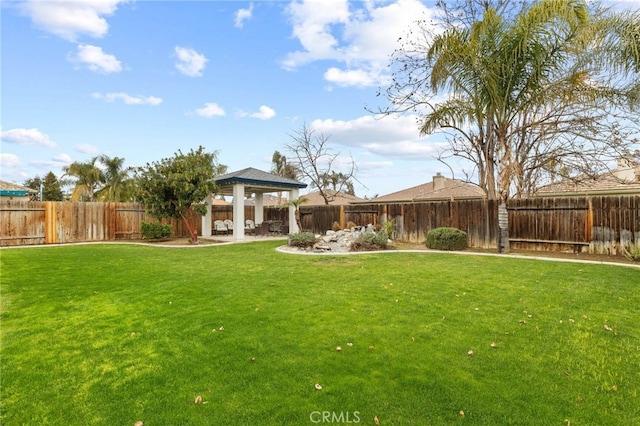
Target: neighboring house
[(220, 202), (12, 192), (441, 188), (338, 198), (268, 200), (624, 180)]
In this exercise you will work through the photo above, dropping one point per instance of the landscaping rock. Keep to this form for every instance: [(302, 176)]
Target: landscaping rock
[(336, 241)]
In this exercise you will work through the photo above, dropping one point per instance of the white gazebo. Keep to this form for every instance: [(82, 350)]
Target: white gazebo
[(245, 183)]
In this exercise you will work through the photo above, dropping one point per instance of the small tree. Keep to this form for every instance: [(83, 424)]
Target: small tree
[(296, 205), (316, 162), (50, 186), (176, 187), (52, 190)]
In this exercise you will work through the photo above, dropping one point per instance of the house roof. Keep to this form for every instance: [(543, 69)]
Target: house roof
[(219, 202), (339, 198), (441, 188), (254, 181), (623, 180), (603, 185), (8, 189)]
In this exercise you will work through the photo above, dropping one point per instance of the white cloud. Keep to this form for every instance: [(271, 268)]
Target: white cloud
[(57, 161), (243, 15), (312, 24), (95, 59), (128, 99), (264, 113), (9, 161), (210, 109), (375, 166), (190, 62), (27, 137), (70, 19), (357, 77), (388, 137), (360, 38), (86, 148)]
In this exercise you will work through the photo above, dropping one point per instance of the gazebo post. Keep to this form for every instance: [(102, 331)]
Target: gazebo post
[(259, 207), (206, 219), (238, 211)]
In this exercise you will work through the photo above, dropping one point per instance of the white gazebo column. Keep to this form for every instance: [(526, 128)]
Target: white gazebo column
[(206, 219), (259, 207), (238, 211), (293, 225)]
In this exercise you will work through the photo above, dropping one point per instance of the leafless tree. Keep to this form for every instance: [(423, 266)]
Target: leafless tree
[(317, 163)]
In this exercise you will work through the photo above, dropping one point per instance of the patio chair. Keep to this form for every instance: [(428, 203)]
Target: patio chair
[(275, 227), (229, 224), (249, 227), (263, 228), (219, 226)]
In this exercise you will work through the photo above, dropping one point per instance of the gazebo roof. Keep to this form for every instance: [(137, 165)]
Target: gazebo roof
[(255, 181)]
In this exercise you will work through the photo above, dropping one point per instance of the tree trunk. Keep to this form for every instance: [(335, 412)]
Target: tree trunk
[(188, 222), (296, 215)]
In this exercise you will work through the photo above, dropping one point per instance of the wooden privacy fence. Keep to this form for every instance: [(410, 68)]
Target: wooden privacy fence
[(581, 224), (412, 220), (35, 222), (602, 225)]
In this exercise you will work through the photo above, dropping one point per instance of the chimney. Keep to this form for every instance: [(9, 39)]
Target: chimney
[(626, 169), (438, 182)]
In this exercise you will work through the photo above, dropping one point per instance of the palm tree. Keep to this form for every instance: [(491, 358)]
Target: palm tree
[(281, 167), (118, 184), (86, 178), (296, 203), (521, 93)]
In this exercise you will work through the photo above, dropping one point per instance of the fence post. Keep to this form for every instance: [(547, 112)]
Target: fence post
[(342, 224), (503, 227), (588, 224), (111, 220), (50, 234)]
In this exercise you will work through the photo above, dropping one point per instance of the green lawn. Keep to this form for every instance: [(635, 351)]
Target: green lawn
[(114, 334)]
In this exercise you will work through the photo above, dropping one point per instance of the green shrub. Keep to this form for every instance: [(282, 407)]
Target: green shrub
[(446, 239), (388, 227), (370, 241), (633, 252), (155, 231), (302, 239)]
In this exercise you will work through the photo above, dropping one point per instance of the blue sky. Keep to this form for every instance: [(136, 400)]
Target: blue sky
[(144, 79)]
